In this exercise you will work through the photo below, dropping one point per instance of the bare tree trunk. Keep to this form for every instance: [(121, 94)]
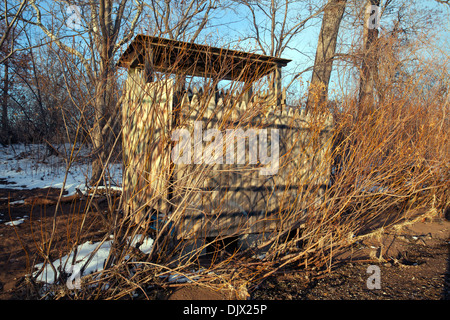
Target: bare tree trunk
[(104, 25), (326, 48), (99, 140), (368, 73), (102, 135), (8, 26), (5, 125), (106, 110)]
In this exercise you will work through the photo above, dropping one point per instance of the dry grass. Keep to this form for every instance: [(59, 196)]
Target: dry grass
[(387, 168)]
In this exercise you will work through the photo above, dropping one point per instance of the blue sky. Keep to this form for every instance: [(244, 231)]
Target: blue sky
[(230, 27), (306, 41)]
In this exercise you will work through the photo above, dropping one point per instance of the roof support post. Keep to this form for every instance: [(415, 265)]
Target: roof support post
[(248, 92), (148, 65), (277, 84)]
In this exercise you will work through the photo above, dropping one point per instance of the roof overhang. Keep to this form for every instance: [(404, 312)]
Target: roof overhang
[(190, 59)]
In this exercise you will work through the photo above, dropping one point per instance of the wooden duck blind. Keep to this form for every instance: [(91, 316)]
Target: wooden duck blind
[(222, 195)]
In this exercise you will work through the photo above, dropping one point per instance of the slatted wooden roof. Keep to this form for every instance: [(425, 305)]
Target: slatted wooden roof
[(178, 57)]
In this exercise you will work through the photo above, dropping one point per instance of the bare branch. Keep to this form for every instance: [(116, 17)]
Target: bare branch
[(134, 22), (56, 39), (9, 26)]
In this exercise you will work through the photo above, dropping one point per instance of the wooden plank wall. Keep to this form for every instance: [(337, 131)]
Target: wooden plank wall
[(210, 200), (146, 118), (232, 199)]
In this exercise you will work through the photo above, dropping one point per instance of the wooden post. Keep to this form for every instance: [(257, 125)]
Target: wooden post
[(133, 73), (277, 84), (216, 94), (148, 66), (178, 92), (248, 92)]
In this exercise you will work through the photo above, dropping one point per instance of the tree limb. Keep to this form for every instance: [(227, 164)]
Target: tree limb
[(9, 26), (134, 22), (57, 40)]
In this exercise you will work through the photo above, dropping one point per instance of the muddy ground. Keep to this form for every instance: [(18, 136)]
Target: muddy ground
[(414, 266), (413, 261), (21, 246)]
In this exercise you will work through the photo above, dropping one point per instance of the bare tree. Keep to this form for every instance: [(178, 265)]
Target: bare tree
[(9, 12), (369, 61), (104, 22), (401, 24), (275, 23), (326, 48), (182, 20), (15, 64), (8, 22), (5, 123)]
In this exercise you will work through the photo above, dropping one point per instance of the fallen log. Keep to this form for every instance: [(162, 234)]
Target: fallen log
[(50, 200)]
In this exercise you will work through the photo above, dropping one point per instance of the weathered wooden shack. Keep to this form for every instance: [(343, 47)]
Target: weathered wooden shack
[(181, 145)]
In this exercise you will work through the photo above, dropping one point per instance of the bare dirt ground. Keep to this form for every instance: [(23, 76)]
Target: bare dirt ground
[(413, 260), (20, 244), (413, 265)]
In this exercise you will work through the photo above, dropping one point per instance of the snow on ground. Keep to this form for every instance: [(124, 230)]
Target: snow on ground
[(99, 252), (15, 222), (27, 167)]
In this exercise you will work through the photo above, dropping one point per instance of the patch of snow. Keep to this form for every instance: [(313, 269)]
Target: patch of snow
[(177, 278), (84, 253), (146, 245), (17, 202), (85, 250), (180, 278), (28, 167), (15, 222), (261, 256)]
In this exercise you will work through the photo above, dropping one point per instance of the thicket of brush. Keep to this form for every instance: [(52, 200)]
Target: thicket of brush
[(388, 167)]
